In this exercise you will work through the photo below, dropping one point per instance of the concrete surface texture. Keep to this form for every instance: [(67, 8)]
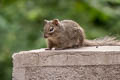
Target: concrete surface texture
[(87, 63)]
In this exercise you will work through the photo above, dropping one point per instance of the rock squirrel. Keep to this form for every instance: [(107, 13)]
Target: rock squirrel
[(69, 34)]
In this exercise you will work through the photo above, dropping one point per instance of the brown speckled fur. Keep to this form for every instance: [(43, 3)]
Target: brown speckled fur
[(69, 34)]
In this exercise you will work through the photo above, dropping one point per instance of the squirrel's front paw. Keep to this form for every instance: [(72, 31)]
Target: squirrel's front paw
[(48, 49)]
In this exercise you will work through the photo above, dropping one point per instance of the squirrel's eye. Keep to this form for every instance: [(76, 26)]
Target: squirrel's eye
[(51, 29)]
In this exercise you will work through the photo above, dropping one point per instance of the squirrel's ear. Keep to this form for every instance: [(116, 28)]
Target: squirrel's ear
[(46, 21), (55, 21)]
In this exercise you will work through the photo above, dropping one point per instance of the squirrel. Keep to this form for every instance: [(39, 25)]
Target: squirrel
[(69, 34)]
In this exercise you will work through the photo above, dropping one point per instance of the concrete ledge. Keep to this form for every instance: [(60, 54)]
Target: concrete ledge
[(87, 63)]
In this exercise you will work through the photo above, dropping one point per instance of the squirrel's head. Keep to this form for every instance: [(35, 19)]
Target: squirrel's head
[(51, 28)]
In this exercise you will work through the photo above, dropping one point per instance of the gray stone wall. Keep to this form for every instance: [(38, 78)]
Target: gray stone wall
[(87, 63)]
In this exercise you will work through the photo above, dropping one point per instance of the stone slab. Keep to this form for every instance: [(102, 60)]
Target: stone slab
[(87, 63)]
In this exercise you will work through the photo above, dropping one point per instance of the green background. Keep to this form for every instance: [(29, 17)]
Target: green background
[(21, 23)]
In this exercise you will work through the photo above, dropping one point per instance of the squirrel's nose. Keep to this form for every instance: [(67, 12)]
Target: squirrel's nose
[(45, 36)]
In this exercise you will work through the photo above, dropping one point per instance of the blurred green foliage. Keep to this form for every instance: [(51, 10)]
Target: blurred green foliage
[(21, 23)]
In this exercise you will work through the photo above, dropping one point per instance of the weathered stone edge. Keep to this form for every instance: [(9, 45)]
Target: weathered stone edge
[(65, 58)]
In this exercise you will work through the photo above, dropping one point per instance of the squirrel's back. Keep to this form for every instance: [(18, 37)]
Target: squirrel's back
[(71, 25)]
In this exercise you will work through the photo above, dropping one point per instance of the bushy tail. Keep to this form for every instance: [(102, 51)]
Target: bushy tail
[(106, 41)]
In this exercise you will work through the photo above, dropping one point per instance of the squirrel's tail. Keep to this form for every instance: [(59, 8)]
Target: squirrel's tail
[(106, 41)]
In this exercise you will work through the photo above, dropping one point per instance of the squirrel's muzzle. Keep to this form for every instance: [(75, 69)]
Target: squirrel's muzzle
[(45, 36)]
